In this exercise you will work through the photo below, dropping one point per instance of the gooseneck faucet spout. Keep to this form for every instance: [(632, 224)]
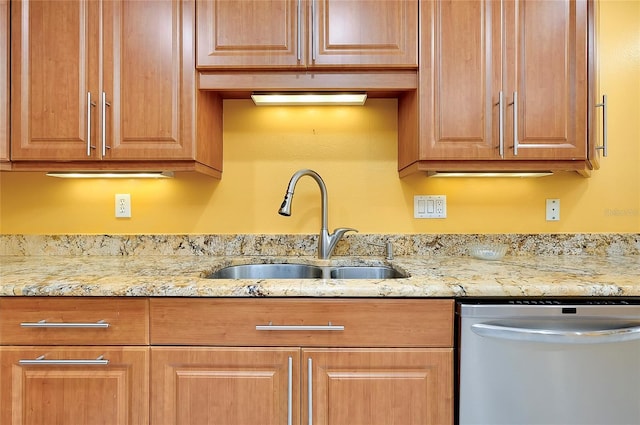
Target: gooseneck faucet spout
[(326, 241)]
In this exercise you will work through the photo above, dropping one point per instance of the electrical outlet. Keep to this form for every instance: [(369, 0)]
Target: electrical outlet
[(553, 210), (430, 206), (123, 205)]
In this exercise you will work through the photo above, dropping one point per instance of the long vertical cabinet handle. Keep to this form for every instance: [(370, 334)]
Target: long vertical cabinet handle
[(104, 124), (515, 123), (89, 106), (603, 105), (290, 393), (314, 30), (299, 31), (501, 124), (310, 390)]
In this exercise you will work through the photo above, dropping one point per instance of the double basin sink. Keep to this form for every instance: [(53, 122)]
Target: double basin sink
[(305, 271)]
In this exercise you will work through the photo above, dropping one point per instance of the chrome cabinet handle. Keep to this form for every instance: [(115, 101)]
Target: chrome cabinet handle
[(574, 336), (100, 361), (44, 324), (271, 327), (310, 390), (290, 393), (104, 125), (603, 105), (299, 31), (501, 124), (314, 28), (515, 123), (89, 105)]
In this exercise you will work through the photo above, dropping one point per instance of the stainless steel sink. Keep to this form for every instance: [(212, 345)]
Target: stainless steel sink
[(366, 272), (304, 271), (268, 271)]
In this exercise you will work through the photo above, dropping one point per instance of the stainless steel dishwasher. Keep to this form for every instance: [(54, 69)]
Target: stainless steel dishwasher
[(549, 362)]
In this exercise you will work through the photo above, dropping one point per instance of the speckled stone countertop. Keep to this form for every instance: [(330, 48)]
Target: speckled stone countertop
[(429, 276)]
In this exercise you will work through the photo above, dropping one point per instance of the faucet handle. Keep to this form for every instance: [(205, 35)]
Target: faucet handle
[(340, 231)]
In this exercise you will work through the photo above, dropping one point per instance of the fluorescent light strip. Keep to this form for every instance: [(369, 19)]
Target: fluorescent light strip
[(449, 174), (113, 175), (296, 99)]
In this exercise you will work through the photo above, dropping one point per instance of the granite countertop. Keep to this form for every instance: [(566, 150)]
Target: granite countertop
[(429, 276)]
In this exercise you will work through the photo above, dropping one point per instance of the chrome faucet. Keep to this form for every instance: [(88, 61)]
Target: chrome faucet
[(326, 242)]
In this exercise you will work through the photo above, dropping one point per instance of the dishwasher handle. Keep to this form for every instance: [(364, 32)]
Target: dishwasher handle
[(586, 336)]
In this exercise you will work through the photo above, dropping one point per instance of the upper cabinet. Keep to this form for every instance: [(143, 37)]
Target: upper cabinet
[(502, 85), (94, 83), (4, 83), (290, 34)]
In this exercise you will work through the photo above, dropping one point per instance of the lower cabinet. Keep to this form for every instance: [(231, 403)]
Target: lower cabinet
[(314, 375), (225, 361), (67, 360), (252, 385), (74, 385), (196, 385)]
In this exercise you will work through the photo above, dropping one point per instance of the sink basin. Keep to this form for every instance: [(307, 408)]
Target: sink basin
[(268, 271), (365, 272), (304, 271)]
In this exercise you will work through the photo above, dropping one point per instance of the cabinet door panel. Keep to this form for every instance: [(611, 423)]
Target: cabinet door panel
[(113, 394), (460, 101), (380, 386), (547, 67), (249, 33), (54, 60), (148, 79), (224, 386), (368, 33)]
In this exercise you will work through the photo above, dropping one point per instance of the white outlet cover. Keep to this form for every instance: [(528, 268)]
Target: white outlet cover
[(553, 210), (123, 205)]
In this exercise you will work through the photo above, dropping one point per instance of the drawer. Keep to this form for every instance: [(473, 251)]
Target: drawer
[(302, 322), (74, 321)]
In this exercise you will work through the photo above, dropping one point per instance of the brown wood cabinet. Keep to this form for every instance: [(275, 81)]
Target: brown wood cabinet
[(74, 360), (307, 34), (243, 361), (4, 84), (94, 86), (501, 87)]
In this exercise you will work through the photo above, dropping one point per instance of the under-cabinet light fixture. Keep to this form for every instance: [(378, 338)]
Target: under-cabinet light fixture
[(489, 174), (113, 175), (298, 99)]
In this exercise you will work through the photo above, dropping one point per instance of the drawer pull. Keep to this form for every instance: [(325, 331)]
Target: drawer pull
[(100, 361), (44, 324), (272, 327)]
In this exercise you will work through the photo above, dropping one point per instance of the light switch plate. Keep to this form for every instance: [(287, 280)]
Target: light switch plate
[(430, 206)]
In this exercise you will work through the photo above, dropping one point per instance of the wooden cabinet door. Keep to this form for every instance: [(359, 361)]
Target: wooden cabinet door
[(364, 33), (477, 56), (148, 80), (460, 80), (4, 81), (54, 60), (113, 394), (225, 385), (378, 386), (546, 65), (250, 33)]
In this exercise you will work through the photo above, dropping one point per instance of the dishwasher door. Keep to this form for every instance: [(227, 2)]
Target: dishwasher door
[(549, 364)]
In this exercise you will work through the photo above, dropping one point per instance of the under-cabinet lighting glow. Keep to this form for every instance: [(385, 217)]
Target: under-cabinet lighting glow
[(489, 174), (113, 175), (296, 99)]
